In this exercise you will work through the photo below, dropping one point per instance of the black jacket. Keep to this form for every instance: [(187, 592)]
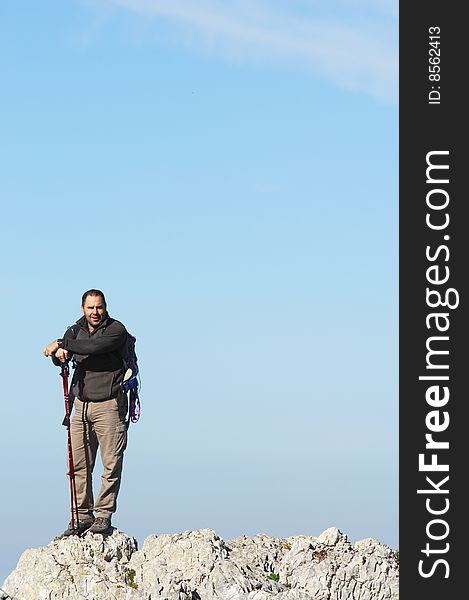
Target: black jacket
[(99, 359)]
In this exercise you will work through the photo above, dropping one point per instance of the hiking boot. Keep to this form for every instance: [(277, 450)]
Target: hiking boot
[(83, 525), (101, 525)]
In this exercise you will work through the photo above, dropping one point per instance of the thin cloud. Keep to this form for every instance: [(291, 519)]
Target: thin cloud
[(356, 49)]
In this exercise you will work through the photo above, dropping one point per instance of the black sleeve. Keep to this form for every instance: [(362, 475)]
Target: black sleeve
[(70, 334), (113, 338)]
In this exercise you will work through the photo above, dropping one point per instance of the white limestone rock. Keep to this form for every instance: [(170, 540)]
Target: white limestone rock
[(199, 565), (73, 567)]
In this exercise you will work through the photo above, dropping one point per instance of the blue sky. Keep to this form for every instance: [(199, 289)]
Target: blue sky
[(227, 173)]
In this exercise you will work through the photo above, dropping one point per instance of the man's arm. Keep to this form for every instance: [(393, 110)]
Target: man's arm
[(113, 338), (51, 349), (56, 350)]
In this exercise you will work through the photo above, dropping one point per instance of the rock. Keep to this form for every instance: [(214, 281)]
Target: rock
[(199, 565), (73, 567)]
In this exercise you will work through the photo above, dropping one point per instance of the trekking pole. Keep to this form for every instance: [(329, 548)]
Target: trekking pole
[(71, 469)]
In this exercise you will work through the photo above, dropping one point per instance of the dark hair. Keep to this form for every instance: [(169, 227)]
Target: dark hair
[(92, 293)]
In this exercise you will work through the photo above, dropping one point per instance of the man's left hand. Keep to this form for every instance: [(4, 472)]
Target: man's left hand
[(51, 348)]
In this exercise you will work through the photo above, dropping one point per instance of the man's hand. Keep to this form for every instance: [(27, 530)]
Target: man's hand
[(51, 348), (54, 348), (62, 354)]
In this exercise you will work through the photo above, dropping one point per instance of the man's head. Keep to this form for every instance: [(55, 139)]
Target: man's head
[(93, 305)]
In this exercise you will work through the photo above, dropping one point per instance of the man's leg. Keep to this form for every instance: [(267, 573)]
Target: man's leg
[(84, 449), (111, 431)]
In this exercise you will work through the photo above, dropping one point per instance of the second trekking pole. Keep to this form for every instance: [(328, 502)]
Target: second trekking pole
[(71, 469)]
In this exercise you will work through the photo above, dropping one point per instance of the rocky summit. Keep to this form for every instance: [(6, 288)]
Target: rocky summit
[(199, 565)]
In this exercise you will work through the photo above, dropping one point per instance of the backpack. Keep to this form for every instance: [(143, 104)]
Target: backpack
[(131, 384)]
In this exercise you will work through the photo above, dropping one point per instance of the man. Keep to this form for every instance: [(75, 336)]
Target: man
[(97, 344)]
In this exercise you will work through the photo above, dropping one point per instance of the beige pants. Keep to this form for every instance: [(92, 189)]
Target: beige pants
[(97, 424)]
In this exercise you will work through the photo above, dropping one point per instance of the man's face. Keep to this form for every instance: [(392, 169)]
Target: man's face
[(94, 310)]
